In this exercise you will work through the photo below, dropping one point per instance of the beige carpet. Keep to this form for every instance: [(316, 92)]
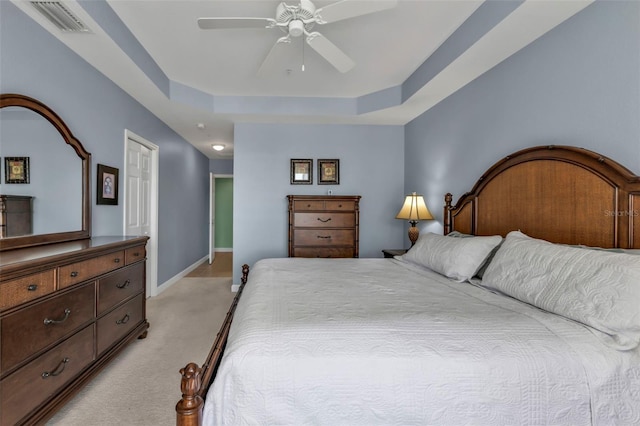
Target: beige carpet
[(142, 385), (221, 266)]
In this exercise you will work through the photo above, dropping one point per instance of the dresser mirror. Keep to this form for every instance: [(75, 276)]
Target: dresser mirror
[(58, 171)]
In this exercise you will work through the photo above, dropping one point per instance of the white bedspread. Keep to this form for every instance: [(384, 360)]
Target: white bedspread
[(380, 342)]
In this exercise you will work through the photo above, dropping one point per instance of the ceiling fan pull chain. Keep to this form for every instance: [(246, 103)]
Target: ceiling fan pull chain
[(302, 40)]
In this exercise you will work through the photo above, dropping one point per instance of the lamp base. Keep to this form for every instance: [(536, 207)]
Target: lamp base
[(414, 233)]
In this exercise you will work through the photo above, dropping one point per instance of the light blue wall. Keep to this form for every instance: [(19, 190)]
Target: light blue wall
[(371, 165), (221, 167), (97, 111), (577, 85)]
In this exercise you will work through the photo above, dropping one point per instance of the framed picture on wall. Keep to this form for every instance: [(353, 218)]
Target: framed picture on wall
[(328, 172), (107, 185), (16, 170), (301, 171)]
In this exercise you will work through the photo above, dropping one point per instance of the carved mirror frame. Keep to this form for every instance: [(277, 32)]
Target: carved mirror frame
[(15, 100)]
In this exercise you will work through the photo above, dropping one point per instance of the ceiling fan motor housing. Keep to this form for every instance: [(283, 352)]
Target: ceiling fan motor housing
[(293, 16)]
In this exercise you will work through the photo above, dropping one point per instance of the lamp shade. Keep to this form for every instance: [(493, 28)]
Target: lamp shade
[(414, 209)]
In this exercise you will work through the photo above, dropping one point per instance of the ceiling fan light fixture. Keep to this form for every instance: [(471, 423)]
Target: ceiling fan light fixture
[(296, 28)]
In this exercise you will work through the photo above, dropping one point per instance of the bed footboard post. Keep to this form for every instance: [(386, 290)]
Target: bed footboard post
[(189, 408), (245, 273), (448, 198)]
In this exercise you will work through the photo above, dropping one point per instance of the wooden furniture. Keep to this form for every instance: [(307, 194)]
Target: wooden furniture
[(68, 302), (561, 194), (390, 253), (65, 310), (16, 215), (557, 193), (324, 226), (18, 102)]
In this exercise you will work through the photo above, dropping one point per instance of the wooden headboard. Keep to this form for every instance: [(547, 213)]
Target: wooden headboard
[(558, 193)]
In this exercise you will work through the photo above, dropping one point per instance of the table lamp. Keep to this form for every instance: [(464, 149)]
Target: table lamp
[(413, 210)]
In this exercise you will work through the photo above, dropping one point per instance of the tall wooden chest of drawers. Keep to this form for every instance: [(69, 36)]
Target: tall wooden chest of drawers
[(65, 310), (324, 226), (16, 215)]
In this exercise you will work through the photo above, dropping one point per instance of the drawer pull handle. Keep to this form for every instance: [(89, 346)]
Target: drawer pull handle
[(124, 284), (116, 260), (325, 220), (123, 320), (74, 274), (67, 312), (58, 370), (32, 287), (324, 237)]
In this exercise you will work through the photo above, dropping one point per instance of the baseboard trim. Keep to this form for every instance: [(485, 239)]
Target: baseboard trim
[(171, 281), (224, 249), (235, 288)]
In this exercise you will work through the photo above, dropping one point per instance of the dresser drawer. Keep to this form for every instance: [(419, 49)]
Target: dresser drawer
[(325, 220), (20, 290), (347, 205), (323, 252), (119, 285), (323, 237), (87, 269), (302, 205), (26, 332), (34, 383), (134, 254), (116, 324)]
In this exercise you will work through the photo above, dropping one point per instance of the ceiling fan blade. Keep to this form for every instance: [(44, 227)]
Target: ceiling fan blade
[(274, 55), (330, 52), (346, 9), (230, 23)]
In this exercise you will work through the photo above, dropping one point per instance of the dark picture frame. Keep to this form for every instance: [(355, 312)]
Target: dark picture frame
[(329, 172), (301, 171), (107, 185), (16, 170)]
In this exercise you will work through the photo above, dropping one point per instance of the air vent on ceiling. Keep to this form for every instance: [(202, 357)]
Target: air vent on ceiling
[(60, 16)]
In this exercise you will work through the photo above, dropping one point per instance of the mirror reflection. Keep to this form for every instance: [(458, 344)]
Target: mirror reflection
[(55, 175)]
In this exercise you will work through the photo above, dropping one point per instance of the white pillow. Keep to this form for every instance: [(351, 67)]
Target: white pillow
[(598, 288), (456, 258)]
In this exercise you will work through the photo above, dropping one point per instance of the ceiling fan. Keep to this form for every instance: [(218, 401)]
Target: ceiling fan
[(300, 19)]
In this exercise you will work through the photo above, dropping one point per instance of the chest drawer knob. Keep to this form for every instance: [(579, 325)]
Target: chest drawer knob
[(32, 287), (74, 274), (324, 220), (67, 312), (124, 319), (324, 237), (124, 284), (116, 260), (58, 370)]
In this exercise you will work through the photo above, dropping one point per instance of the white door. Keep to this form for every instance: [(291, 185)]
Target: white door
[(212, 217), (140, 197)]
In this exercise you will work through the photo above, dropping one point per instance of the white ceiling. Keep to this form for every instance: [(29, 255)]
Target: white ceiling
[(386, 46)]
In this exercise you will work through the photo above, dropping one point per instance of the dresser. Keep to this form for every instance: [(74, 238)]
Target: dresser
[(66, 310), (324, 226), (16, 216)]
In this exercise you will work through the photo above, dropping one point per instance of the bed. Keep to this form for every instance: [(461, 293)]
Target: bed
[(463, 329)]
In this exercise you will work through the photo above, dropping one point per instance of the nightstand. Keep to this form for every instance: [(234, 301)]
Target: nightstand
[(393, 252)]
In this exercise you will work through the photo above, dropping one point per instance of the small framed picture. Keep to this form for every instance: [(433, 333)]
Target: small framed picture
[(107, 185), (328, 172), (16, 170), (301, 171)]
